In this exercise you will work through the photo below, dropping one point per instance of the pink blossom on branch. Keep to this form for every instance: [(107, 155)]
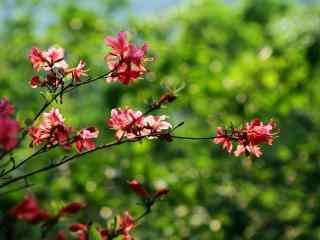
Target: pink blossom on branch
[(53, 63), (51, 131), (79, 71), (83, 140), (46, 60), (223, 139), (248, 138), (125, 59), (131, 124)]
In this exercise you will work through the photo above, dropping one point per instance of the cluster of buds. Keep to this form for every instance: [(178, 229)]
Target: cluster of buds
[(148, 198), (53, 131), (126, 60), (248, 138), (9, 128), (52, 63), (131, 124)]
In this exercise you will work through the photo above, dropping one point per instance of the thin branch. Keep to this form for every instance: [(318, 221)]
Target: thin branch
[(64, 90)]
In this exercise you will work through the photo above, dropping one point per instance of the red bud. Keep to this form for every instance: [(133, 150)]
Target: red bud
[(136, 186), (71, 208), (161, 192)]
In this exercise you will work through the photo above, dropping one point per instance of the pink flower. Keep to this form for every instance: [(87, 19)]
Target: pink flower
[(29, 211), (248, 138), (155, 124), (37, 58), (84, 139), (119, 45), (126, 225), (47, 60), (125, 59), (126, 122), (9, 130), (79, 71), (131, 124), (223, 139), (248, 149), (6, 109), (51, 131)]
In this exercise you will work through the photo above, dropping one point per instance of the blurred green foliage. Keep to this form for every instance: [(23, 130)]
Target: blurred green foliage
[(249, 58)]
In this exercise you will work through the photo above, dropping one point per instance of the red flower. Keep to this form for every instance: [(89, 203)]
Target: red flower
[(223, 139), (29, 211), (81, 230), (259, 133), (71, 208), (161, 192), (52, 130), (84, 139), (78, 227), (9, 130), (137, 187), (125, 60), (35, 82), (61, 236), (6, 109), (126, 225), (79, 71)]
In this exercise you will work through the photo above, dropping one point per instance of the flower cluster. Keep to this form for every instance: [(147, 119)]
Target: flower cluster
[(53, 64), (131, 124), (125, 60), (9, 128), (248, 138), (53, 131)]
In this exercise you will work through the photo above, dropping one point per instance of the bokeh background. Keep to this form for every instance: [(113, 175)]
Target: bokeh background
[(235, 59)]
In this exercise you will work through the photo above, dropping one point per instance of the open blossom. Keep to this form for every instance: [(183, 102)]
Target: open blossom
[(127, 123), (259, 133), (79, 71), (84, 141), (29, 211), (125, 59), (52, 130), (46, 60), (126, 225), (223, 139), (247, 138), (131, 124)]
